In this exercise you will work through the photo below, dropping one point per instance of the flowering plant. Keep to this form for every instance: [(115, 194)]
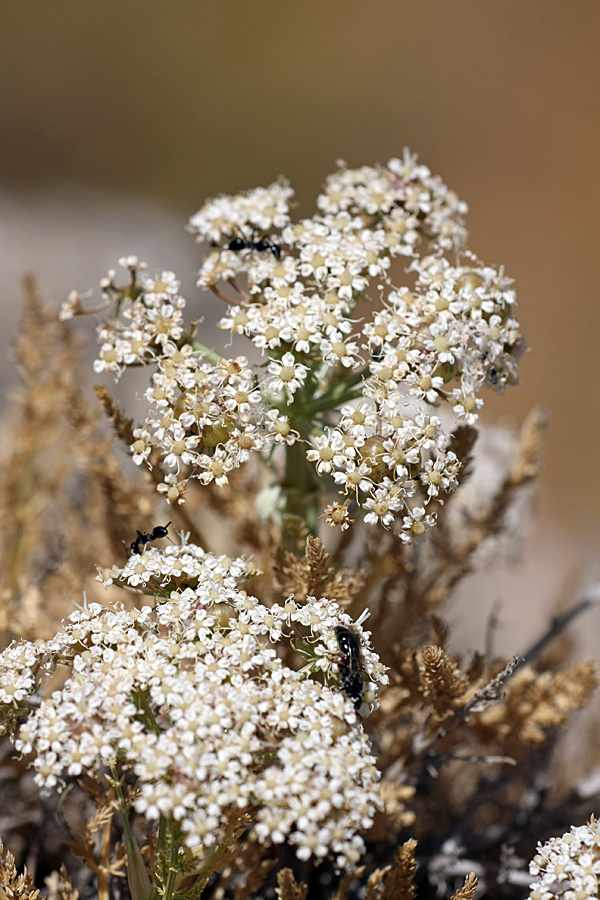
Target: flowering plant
[(192, 697), (233, 707), (348, 393), (568, 866)]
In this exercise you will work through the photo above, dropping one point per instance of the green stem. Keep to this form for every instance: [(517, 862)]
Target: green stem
[(162, 835), (340, 392), (211, 356), (171, 881), (301, 491), (329, 401), (208, 866), (140, 699), (138, 879)]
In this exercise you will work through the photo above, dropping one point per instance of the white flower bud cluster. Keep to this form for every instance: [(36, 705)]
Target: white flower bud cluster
[(192, 697), (568, 867)]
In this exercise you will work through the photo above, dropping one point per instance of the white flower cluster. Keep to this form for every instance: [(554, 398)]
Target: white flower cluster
[(205, 418), (388, 457), (347, 387), (193, 698), (569, 866), (149, 320), (262, 209), (404, 190)]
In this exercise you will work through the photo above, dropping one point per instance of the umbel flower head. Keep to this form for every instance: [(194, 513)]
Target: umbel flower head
[(358, 389), (192, 698), (569, 866)]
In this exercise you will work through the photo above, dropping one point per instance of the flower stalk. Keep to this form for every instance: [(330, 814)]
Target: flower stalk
[(137, 875)]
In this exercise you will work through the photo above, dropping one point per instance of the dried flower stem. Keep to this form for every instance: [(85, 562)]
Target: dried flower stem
[(104, 868), (558, 624)]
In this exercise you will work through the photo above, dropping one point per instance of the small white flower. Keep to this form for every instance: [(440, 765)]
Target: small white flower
[(286, 375), (180, 447), (328, 451), (415, 524)]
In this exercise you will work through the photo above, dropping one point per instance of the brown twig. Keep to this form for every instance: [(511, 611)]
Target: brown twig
[(558, 624)]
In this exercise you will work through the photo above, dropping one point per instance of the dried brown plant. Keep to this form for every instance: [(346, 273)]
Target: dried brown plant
[(288, 888), (311, 575), (345, 881), (399, 882), (467, 891), (60, 887), (60, 480), (100, 855), (15, 886), (535, 704), (441, 682)]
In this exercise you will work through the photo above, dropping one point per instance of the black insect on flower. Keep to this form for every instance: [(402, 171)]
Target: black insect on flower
[(261, 245), (350, 664), (143, 538)]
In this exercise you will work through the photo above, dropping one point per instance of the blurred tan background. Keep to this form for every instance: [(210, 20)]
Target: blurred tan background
[(120, 117)]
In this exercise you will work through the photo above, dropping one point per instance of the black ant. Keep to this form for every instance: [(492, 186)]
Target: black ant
[(350, 664), (143, 538), (261, 245)]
